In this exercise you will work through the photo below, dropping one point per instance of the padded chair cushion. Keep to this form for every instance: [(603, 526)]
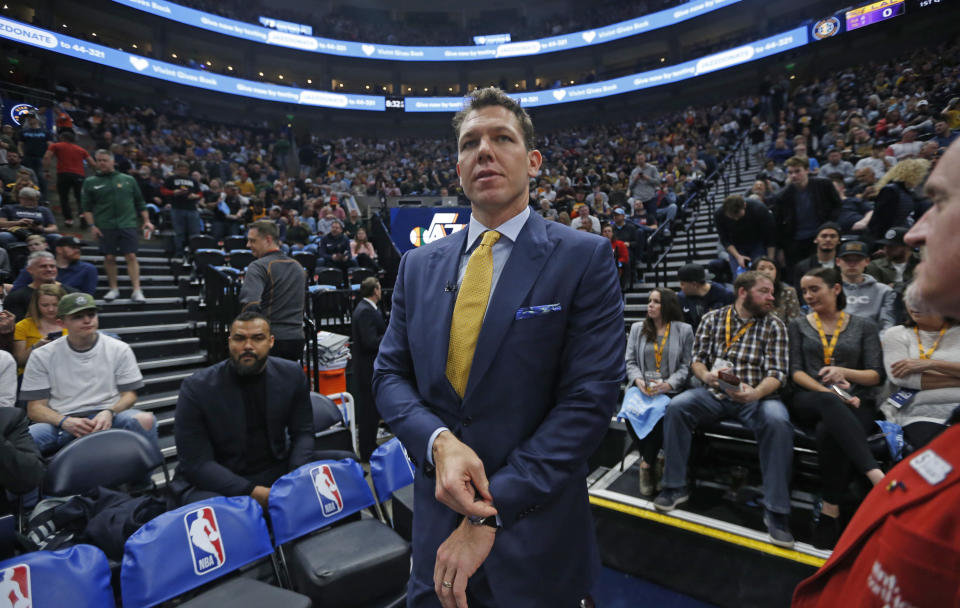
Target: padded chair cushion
[(350, 565), (241, 592), (403, 512)]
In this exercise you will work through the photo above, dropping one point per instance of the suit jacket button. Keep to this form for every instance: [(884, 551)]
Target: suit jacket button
[(467, 421)]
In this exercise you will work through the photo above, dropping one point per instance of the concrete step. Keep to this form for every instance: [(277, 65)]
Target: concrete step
[(162, 381), (125, 304), (123, 279), (174, 362), (169, 331), (153, 349)]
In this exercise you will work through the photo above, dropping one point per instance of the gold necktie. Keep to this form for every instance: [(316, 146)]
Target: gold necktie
[(469, 310)]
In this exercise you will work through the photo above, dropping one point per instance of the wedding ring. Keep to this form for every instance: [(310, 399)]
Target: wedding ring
[(446, 584)]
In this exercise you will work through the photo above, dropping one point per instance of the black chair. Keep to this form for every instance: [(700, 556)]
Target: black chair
[(203, 241), (234, 242), (241, 258), (307, 260), (208, 257), (18, 253), (329, 430), (326, 275), (106, 458), (358, 274)]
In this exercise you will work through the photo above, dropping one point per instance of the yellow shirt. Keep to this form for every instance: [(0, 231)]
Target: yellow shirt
[(28, 331)]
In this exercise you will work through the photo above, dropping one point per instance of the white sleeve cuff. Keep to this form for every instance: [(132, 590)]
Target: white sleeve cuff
[(433, 438)]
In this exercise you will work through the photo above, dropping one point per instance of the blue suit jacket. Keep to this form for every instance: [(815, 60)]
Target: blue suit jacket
[(538, 401)]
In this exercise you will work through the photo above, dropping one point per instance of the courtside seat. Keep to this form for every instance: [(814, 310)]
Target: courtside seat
[(78, 577)]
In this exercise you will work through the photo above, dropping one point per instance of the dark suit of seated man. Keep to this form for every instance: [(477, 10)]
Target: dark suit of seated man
[(243, 423)]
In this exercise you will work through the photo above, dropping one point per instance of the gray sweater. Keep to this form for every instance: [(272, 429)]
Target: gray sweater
[(675, 367), (276, 285), (872, 300)]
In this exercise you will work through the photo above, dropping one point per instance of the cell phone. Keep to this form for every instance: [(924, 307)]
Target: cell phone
[(728, 381), (54, 335), (841, 393)]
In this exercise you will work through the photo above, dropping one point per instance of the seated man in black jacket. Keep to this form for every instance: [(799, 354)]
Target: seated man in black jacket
[(334, 249), (243, 423), (21, 467)]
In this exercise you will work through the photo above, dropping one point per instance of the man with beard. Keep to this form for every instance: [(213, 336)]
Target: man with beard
[(234, 436), (827, 239), (740, 355)]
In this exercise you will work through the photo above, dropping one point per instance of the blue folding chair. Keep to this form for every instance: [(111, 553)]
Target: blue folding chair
[(78, 577), (358, 564), (391, 470), (184, 549)]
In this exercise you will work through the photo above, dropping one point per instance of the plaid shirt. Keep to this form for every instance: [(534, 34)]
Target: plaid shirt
[(762, 351)]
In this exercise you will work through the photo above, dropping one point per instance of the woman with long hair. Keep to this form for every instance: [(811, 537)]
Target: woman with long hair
[(659, 352), (36, 328), (896, 202), (361, 249), (834, 361), (922, 358), (786, 305)]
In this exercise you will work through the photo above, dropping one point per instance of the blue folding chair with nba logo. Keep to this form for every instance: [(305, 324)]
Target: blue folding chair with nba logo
[(362, 563), (78, 577), (392, 474), (181, 552)]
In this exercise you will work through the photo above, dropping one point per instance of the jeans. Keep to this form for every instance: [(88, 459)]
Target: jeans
[(767, 418), (755, 251), (186, 223), (49, 439)]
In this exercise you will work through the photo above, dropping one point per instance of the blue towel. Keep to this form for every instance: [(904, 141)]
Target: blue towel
[(894, 436), (642, 411)]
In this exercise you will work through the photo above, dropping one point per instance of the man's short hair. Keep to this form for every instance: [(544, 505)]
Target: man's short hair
[(748, 279), (250, 315), (182, 165), (797, 161), (492, 96), (266, 228), (68, 136), (39, 255), (368, 286), (28, 192), (733, 204), (829, 226), (103, 152)]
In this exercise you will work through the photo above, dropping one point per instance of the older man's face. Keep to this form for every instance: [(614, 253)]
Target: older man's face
[(43, 270)]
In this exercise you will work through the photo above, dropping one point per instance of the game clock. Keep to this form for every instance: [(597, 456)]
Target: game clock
[(392, 103)]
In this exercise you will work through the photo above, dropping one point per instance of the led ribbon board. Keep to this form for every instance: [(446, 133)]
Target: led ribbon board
[(369, 50)]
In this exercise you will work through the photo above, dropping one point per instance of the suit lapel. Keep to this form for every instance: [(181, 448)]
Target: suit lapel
[(441, 271), (527, 258)]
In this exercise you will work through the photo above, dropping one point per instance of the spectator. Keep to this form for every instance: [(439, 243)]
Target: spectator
[(10, 172), (896, 203), (620, 254), (70, 172), (922, 359), (70, 270), (40, 326), (835, 165), (801, 208), (42, 266), (275, 285), (899, 260), (697, 296), (362, 251), (367, 329), (584, 218), (182, 198), (780, 151), (826, 241), (786, 306), (855, 213), (659, 351), (865, 296), (35, 141), (643, 184), (353, 223), (831, 348), (907, 147), (21, 468), (334, 249), (864, 184), (942, 134), (226, 452), (111, 201), (19, 221), (84, 383), (877, 161), (741, 339), (746, 231), (628, 233)]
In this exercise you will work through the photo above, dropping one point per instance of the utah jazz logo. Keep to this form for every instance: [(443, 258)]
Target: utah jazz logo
[(206, 545), (328, 493), (440, 226), (15, 587)]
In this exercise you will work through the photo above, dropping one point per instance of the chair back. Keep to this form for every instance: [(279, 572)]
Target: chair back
[(78, 577), (308, 260), (234, 242), (191, 546), (202, 241), (315, 496), (241, 258), (329, 276), (326, 414), (390, 468), (208, 257), (105, 458), (357, 275)]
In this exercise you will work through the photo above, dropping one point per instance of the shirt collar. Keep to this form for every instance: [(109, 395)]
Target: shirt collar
[(372, 303), (509, 229)]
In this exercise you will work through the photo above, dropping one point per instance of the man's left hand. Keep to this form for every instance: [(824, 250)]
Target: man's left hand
[(102, 421), (746, 394), (457, 559)]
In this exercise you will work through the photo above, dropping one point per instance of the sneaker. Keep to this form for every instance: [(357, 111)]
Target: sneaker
[(825, 533), (778, 529), (670, 498), (111, 295), (646, 481), (137, 296)]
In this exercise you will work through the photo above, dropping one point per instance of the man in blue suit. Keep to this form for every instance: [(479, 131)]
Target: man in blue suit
[(501, 515)]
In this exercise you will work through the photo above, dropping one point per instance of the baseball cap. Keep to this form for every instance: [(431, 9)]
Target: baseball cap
[(73, 303), (694, 273), (69, 241), (829, 226), (894, 236), (853, 248), (619, 210)]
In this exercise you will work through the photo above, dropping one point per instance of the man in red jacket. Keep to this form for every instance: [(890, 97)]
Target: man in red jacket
[(902, 547), (70, 171)]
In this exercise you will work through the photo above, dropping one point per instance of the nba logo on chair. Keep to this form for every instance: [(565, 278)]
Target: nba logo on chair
[(328, 493), (15, 587), (206, 545)]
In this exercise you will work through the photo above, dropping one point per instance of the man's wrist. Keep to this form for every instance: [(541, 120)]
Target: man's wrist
[(113, 414)]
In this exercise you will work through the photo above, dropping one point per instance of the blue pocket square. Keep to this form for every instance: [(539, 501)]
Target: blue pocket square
[(530, 312)]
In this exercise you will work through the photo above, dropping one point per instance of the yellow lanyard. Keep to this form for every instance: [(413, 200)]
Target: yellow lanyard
[(740, 333), (926, 354), (658, 348), (828, 348)]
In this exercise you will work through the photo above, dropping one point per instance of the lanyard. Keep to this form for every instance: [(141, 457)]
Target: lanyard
[(740, 333), (926, 354), (658, 348), (828, 348)]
